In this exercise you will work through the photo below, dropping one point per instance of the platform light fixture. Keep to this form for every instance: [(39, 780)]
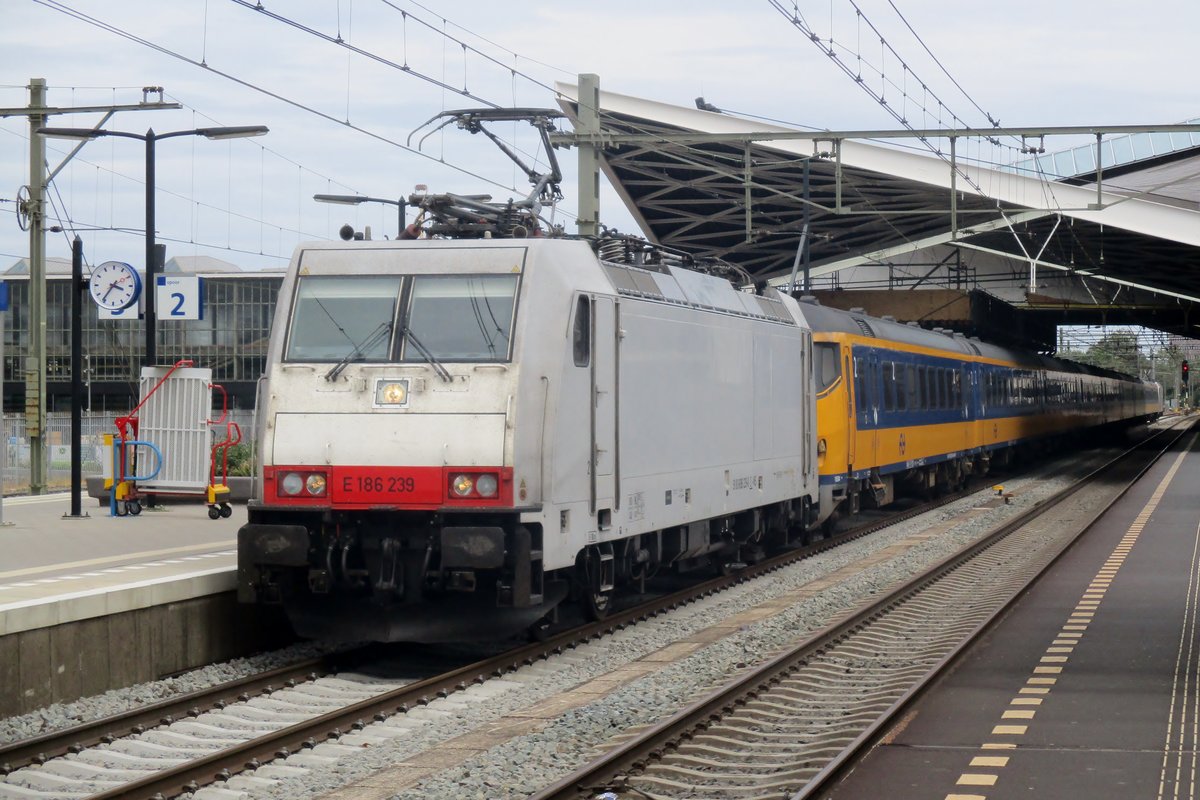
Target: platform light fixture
[(150, 137)]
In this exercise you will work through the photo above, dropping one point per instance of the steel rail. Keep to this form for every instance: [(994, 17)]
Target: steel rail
[(42, 748), (650, 744)]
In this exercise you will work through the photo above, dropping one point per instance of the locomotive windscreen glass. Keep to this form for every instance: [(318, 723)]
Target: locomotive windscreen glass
[(335, 317), (462, 318)]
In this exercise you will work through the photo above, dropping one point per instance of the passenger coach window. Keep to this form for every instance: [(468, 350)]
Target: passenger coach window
[(581, 333), (825, 354)]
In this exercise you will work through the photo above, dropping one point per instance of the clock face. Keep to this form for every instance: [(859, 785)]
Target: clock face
[(114, 285)]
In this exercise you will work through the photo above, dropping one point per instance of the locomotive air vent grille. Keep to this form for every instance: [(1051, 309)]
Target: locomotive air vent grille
[(633, 281), (773, 308), (863, 326), (621, 277), (645, 283)]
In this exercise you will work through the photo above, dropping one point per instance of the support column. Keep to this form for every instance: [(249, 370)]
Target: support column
[(589, 156), (35, 359)]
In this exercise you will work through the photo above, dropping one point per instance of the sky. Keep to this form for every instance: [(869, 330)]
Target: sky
[(328, 78)]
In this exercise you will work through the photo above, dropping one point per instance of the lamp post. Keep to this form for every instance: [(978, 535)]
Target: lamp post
[(150, 137), (356, 199)]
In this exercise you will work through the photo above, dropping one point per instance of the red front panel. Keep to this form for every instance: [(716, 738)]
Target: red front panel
[(425, 488)]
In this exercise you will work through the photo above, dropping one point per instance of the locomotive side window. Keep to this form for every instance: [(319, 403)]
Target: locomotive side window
[(825, 358), (335, 317), (461, 318), (581, 333)]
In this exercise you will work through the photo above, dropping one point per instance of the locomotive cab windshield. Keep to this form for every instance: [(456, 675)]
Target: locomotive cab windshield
[(423, 318)]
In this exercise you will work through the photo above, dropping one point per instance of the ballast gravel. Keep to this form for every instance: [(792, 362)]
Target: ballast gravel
[(527, 763), (115, 701)]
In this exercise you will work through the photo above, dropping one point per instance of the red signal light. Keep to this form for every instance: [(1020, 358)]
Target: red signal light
[(1183, 370)]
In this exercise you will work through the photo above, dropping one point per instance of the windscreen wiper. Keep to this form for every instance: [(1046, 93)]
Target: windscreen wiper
[(377, 335), (428, 356)]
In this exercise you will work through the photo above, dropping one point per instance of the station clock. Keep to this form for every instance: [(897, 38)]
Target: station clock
[(114, 285)]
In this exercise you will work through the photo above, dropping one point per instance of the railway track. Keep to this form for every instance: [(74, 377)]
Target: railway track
[(789, 727), (317, 708)]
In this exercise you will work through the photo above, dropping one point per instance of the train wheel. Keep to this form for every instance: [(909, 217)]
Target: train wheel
[(541, 630), (596, 591)]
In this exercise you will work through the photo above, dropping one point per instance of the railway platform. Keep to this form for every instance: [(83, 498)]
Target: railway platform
[(1088, 687), (99, 602)]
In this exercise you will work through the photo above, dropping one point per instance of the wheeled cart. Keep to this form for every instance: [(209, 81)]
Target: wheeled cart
[(170, 428)]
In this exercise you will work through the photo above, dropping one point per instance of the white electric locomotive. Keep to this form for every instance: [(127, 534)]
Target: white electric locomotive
[(457, 435)]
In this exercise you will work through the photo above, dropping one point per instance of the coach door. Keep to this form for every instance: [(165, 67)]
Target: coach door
[(604, 499), (866, 401), (853, 392)]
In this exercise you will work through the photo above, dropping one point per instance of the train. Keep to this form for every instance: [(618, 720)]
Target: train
[(460, 436), (903, 410)]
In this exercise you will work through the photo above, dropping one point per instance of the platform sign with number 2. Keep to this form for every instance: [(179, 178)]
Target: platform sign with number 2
[(179, 297)]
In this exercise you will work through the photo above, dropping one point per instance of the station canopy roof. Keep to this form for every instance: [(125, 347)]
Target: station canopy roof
[(745, 202)]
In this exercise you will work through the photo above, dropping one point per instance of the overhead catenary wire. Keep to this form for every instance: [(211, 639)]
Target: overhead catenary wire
[(798, 21), (464, 45), (67, 10), (994, 122), (69, 225), (408, 69), (478, 36), (61, 7)]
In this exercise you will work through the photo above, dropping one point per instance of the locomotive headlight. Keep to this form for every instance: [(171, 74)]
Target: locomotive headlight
[(462, 485), (391, 393), (486, 485), (315, 484), (292, 483)]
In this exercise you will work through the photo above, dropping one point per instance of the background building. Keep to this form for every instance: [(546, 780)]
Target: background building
[(231, 339)]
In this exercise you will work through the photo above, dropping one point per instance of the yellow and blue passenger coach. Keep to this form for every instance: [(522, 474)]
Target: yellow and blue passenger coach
[(901, 408)]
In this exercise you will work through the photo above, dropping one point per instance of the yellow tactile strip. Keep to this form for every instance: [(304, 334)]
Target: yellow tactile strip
[(1178, 776), (987, 767)]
